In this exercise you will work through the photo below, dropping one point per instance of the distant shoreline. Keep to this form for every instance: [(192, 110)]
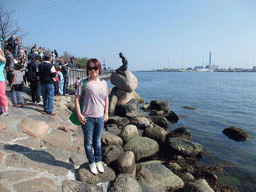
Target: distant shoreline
[(202, 71)]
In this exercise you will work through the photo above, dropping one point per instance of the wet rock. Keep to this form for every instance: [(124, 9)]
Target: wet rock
[(172, 117), (128, 132), (84, 174), (200, 185), (157, 133), (142, 147), (236, 134), (160, 175), (160, 121), (188, 107), (182, 146), (181, 132), (159, 105), (34, 128), (78, 186), (125, 183)]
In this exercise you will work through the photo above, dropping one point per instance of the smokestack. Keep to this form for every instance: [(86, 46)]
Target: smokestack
[(210, 60)]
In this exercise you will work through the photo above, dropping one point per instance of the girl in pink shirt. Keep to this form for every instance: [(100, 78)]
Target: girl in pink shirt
[(94, 113)]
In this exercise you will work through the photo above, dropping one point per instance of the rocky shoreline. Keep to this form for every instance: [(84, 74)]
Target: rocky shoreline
[(46, 153)]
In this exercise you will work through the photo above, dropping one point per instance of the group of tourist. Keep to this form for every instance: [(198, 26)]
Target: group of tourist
[(43, 76)]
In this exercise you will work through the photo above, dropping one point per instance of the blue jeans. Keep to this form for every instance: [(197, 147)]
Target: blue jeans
[(92, 138), (47, 91)]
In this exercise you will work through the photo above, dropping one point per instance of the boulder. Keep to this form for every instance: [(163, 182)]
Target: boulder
[(108, 138), (140, 122), (159, 105), (78, 186), (156, 173), (112, 128), (124, 96), (142, 147), (111, 153), (125, 183), (128, 83), (236, 134), (128, 132), (172, 117), (157, 133), (200, 185), (146, 106), (120, 121), (126, 163), (181, 132), (160, 121), (34, 128), (113, 101), (84, 174), (131, 107), (183, 147)]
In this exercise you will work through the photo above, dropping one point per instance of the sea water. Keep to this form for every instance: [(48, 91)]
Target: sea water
[(221, 100)]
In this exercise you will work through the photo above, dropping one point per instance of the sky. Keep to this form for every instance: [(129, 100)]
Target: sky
[(151, 34)]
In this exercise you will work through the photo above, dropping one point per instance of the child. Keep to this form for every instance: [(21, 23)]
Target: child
[(77, 81), (17, 86)]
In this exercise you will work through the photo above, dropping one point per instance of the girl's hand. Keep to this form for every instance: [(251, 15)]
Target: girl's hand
[(105, 118), (81, 119)]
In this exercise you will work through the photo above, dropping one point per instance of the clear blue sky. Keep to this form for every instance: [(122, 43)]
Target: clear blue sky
[(151, 34)]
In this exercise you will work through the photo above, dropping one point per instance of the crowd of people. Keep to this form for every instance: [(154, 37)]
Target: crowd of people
[(47, 79), (24, 68)]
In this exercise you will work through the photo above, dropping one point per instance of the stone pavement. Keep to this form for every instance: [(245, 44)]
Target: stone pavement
[(33, 160)]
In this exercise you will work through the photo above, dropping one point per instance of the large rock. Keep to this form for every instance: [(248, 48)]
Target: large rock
[(120, 121), (111, 153), (172, 117), (131, 107), (159, 105), (126, 163), (181, 132), (58, 139), (78, 186), (157, 133), (160, 121), (183, 147), (200, 185), (128, 83), (236, 134), (38, 184), (142, 147), (128, 132), (140, 122), (84, 174), (125, 183), (155, 174), (124, 96), (34, 128), (110, 139), (113, 101)]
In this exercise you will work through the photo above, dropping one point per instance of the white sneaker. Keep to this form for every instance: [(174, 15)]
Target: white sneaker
[(93, 168), (100, 167)]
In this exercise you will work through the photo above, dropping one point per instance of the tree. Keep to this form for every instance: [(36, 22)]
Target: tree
[(9, 26), (82, 62)]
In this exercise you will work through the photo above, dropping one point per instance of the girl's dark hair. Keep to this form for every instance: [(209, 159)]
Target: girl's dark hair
[(17, 66), (96, 63)]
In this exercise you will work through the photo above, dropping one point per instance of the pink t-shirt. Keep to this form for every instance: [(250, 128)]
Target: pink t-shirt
[(96, 93)]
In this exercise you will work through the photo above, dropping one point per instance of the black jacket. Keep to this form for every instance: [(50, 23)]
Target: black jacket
[(47, 73)]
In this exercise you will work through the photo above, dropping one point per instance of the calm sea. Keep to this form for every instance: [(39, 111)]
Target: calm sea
[(221, 100)]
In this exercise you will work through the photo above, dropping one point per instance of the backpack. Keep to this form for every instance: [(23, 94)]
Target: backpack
[(31, 72)]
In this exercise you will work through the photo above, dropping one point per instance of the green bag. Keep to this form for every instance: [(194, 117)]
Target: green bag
[(73, 117)]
